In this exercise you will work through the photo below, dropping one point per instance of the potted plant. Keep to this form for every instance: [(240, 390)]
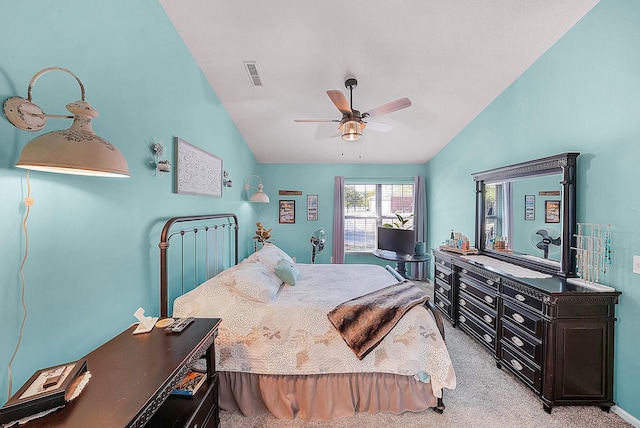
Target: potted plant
[(261, 236), (400, 224)]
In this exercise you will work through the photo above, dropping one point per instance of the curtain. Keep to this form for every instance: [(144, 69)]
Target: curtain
[(507, 213), (419, 270), (338, 220)]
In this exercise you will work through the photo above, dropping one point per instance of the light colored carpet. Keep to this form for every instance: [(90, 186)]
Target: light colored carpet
[(484, 397)]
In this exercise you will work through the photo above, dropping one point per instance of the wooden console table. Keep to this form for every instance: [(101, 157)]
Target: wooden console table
[(132, 377)]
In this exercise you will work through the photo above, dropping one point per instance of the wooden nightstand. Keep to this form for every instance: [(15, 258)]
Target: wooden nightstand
[(132, 377)]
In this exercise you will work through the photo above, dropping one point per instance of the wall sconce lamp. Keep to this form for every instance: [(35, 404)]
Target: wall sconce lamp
[(77, 150), (259, 196)]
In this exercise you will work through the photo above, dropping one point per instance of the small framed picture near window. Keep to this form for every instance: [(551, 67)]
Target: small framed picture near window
[(529, 207), (552, 211), (287, 211), (197, 172), (312, 207)]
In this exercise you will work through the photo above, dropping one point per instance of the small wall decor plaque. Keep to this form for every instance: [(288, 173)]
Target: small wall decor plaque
[(287, 212), (312, 207), (529, 207), (552, 211), (197, 172)]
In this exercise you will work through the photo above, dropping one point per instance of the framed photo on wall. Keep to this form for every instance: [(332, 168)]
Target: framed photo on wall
[(197, 172), (552, 211), (312, 207), (287, 211), (529, 207)]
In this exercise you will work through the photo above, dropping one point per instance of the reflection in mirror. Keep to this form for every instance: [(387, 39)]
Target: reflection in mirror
[(525, 215)]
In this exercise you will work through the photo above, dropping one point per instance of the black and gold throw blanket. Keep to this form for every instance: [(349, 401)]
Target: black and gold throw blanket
[(364, 321)]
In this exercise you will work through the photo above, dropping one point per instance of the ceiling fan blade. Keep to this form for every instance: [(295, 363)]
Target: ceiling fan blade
[(377, 126), (389, 107), (340, 101), (316, 120)]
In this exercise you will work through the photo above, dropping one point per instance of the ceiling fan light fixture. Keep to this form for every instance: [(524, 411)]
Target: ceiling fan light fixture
[(352, 130)]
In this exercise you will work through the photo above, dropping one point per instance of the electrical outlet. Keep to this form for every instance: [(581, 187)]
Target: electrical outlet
[(636, 264)]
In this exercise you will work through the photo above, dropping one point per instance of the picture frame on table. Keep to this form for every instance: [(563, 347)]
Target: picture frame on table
[(197, 171), (287, 211), (46, 389)]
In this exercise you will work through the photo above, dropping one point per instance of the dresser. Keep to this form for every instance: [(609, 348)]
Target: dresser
[(554, 334), (132, 377)]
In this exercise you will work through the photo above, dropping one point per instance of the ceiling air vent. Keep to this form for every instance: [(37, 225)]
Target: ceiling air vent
[(253, 73)]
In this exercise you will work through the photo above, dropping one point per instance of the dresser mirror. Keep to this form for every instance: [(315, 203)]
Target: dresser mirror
[(526, 213)]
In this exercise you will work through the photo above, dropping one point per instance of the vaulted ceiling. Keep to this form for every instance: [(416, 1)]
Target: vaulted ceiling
[(450, 58)]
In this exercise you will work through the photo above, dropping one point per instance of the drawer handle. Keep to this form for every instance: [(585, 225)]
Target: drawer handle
[(463, 285), (487, 319), (442, 262), (440, 275), (487, 338), (517, 341), (464, 271), (516, 365), (440, 290), (519, 318), (488, 299), (462, 319), (463, 302), (490, 282), (441, 304), (520, 298)]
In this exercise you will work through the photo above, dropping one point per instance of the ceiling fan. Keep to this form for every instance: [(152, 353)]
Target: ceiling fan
[(353, 122)]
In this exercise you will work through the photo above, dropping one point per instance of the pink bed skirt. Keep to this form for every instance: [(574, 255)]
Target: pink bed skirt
[(323, 397)]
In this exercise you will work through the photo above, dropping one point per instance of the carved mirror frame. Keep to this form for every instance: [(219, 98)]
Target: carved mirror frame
[(562, 164)]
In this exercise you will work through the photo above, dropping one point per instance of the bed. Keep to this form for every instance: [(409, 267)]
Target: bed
[(278, 351)]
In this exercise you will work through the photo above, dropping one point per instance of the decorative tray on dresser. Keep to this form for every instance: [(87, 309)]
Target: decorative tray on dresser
[(553, 333)]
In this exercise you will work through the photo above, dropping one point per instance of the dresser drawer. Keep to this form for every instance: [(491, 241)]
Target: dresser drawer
[(522, 298), (444, 305), (526, 344), (484, 314), (484, 294), (487, 280), (443, 288), (443, 275), (524, 319), (518, 365), (442, 262), (474, 326)]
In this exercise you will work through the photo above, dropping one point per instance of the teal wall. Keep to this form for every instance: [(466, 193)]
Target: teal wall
[(317, 180), (93, 257), (582, 95)]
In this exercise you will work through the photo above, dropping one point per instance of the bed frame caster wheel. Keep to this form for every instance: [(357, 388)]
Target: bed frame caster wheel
[(439, 407)]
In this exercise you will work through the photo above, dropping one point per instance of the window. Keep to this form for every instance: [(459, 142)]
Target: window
[(367, 206)]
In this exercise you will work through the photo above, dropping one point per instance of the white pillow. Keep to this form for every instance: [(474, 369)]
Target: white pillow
[(270, 255), (255, 281)]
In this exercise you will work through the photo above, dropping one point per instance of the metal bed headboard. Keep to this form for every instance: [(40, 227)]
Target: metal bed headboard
[(220, 238)]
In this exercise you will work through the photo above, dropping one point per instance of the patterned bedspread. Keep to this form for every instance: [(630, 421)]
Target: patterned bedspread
[(293, 336)]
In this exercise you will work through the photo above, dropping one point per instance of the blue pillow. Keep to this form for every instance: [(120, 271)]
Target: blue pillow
[(287, 272)]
